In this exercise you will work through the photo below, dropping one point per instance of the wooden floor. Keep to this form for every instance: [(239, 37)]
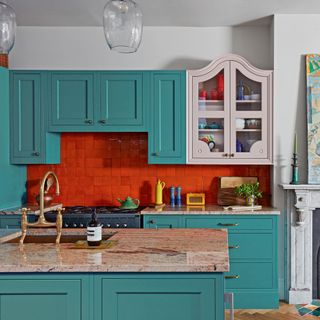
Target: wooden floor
[(285, 312)]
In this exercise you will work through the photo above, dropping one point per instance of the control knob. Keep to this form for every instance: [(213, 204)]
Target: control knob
[(117, 225), (81, 225), (125, 225), (66, 225), (74, 225), (108, 225)]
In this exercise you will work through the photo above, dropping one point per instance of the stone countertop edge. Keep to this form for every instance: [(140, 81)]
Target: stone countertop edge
[(134, 250), (9, 234), (33, 209), (208, 210)]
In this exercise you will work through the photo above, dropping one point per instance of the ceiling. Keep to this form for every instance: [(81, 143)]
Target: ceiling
[(189, 13)]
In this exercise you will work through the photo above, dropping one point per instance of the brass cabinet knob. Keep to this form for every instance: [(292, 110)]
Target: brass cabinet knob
[(225, 155), (103, 121), (89, 121), (231, 155)]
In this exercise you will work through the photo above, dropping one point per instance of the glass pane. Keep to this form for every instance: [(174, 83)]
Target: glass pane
[(211, 93), (248, 131), (211, 131), (248, 94)]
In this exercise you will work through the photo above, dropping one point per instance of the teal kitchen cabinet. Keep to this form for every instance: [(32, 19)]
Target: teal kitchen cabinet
[(124, 99), (167, 132), (98, 101), (158, 222), (13, 221), (253, 252), (30, 141), (38, 297), (72, 99), (111, 296), (154, 296)]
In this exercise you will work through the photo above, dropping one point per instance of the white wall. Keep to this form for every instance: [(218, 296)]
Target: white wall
[(161, 48), (294, 37)]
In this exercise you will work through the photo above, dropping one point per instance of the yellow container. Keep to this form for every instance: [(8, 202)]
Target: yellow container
[(159, 190), (195, 199)]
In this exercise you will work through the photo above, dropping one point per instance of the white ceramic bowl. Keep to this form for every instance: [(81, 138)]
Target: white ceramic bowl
[(256, 96)]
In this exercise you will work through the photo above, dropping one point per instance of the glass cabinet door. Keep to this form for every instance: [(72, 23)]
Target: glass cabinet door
[(210, 116), (249, 114)]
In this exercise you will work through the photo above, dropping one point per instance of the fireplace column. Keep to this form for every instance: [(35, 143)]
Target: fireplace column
[(301, 200)]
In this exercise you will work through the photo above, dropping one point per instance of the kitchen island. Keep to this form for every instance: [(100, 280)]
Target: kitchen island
[(143, 274)]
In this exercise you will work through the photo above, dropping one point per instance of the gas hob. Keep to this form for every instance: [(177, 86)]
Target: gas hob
[(108, 216)]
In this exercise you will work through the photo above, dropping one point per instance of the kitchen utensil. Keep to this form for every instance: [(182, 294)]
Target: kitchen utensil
[(226, 194), (129, 203), (159, 190)]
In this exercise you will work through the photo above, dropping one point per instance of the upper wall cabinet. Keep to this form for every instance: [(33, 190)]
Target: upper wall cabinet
[(72, 97), (167, 134), (30, 142), (98, 101), (230, 113)]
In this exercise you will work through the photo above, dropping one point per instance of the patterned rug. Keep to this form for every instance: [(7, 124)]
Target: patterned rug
[(311, 309)]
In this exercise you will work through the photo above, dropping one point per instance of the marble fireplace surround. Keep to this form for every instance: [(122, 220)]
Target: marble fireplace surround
[(301, 201)]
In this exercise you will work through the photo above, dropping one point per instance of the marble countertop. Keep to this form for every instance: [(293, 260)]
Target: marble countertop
[(134, 250), (210, 210), (33, 209)]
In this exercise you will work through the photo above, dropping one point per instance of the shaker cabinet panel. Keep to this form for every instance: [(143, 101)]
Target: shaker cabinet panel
[(30, 144), (122, 100), (167, 134), (72, 99)]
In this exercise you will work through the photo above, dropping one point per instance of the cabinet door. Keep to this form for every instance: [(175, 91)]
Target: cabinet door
[(157, 222), (161, 297), (38, 299), (209, 109), (167, 134), (72, 101), (30, 141), (26, 117), (122, 99), (251, 114)]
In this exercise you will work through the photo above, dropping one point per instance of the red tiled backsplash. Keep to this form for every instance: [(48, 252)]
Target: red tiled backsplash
[(98, 168)]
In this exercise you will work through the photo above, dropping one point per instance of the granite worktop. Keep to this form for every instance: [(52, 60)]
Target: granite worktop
[(209, 210), (132, 250), (33, 209), (8, 234)]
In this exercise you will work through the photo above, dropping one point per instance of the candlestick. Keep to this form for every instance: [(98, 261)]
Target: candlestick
[(295, 146), (295, 170)]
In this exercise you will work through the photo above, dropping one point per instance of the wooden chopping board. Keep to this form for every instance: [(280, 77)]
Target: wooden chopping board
[(226, 195)]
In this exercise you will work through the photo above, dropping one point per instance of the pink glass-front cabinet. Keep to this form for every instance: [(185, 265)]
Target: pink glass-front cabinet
[(230, 107)]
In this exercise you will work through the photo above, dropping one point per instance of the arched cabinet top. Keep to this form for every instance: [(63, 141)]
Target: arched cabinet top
[(214, 65)]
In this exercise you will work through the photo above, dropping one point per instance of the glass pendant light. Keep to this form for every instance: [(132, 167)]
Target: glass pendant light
[(7, 28), (122, 22)]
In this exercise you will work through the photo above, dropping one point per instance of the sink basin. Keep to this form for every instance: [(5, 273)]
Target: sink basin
[(66, 238)]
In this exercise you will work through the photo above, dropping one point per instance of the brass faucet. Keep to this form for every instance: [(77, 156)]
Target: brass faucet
[(42, 222)]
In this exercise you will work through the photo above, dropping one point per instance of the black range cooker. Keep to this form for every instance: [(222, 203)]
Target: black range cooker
[(109, 217)]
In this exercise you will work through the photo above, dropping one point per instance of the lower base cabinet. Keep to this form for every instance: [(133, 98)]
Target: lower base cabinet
[(13, 222), (116, 296), (253, 252)]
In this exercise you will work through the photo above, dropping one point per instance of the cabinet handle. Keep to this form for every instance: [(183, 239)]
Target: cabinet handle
[(36, 154), (103, 121), (231, 155), (88, 121), (224, 155), (234, 247), (151, 221), (228, 224), (156, 154), (232, 277)]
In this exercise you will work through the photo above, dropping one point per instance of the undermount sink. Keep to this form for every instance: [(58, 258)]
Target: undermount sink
[(67, 238)]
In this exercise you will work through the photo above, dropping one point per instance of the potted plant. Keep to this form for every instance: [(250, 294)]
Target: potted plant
[(249, 191)]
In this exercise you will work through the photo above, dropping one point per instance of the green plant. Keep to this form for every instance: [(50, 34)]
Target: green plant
[(248, 190)]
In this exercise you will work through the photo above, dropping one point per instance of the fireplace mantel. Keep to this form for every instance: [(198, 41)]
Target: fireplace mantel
[(301, 200)]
